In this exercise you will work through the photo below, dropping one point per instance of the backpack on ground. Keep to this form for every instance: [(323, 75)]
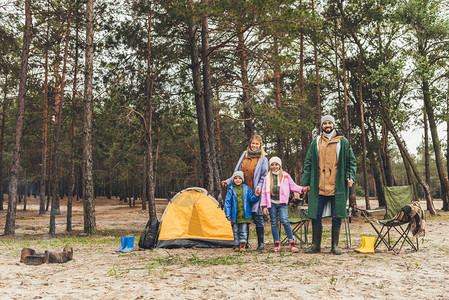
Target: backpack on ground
[(148, 238)]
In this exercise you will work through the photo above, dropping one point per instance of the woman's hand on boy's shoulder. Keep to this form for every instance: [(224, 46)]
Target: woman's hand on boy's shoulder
[(224, 183)]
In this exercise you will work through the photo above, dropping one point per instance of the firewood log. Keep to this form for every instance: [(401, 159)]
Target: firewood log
[(36, 259), (69, 252), (25, 253), (55, 257)]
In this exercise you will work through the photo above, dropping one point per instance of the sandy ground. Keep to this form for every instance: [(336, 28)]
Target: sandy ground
[(98, 272)]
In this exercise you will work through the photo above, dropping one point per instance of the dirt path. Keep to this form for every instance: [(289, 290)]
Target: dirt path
[(98, 272)]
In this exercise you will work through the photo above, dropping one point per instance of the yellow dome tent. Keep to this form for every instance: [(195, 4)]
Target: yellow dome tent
[(193, 218)]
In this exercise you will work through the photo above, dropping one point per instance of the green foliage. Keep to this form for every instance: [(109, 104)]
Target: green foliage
[(359, 191), (400, 46)]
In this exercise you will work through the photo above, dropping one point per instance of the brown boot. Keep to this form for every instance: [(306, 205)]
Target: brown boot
[(242, 247)]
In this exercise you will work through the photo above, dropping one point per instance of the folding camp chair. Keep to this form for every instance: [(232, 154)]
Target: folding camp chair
[(297, 215), (396, 197)]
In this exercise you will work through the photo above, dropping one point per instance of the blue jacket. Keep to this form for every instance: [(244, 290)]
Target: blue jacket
[(259, 175), (230, 207)]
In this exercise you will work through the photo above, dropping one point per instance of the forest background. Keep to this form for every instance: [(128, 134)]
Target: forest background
[(141, 99)]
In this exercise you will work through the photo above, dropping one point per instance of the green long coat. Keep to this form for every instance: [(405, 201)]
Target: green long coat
[(346, 168)]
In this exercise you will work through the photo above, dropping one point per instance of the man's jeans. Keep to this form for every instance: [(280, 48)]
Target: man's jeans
[(282, 210), (336, 222), (240, 231)]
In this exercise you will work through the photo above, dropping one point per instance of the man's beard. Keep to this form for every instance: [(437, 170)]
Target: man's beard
[(328, 130)]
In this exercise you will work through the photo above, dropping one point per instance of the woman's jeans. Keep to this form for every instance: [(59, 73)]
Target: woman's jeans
[(258, 219), (240, 231), (282, 210), (336, 222)]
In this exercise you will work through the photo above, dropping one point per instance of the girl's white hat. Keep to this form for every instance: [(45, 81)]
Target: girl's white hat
[(276, 160)]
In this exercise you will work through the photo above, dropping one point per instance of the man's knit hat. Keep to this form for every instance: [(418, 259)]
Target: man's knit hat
[(327, 118), (238, 173), (276, 160)]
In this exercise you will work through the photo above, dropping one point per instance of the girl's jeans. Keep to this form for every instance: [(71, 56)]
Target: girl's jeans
[(282, 210), (240, 231), (336, 222)]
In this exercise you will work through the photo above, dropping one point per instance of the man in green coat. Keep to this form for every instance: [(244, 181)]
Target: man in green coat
[(329, 172)]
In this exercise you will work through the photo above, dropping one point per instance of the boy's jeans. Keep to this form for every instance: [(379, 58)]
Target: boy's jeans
[(282, 210), (240, 231)]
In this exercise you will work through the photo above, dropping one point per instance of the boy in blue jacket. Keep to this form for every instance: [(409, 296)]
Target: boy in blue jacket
[(238, 209)]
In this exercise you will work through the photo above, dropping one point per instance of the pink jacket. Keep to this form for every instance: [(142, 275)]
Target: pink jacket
[(287, 185)]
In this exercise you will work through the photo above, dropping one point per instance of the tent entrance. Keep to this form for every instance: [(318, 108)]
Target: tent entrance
[(195, 228)]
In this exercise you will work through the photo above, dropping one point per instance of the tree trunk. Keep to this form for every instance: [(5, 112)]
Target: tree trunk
[(109, 191), (208, 181), (305, 136), (341, 113), (128, 190), (25, 189), (48, 186), (447, 133), (379, 174), (426, 150), (2, 138), (88, 182), (277, 97), (156, 159), (317, 78), (390, 181), (53, 180), (43, 178), (72, 132), (149, 124), (80, 184), (54, 173), (301, 62), (246, 100), (406, 155), (408, 172), (436, 145), (377, 179), (55, 207), (207, 91), (352, 198), (362, 126), (345, 91), (134, 195), (10, 225), (144, 183), (218, 127)]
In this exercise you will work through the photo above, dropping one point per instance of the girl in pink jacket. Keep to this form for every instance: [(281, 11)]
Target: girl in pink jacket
[(274, 199)]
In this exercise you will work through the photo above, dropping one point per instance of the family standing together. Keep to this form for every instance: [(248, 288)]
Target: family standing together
[(259, 187)]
